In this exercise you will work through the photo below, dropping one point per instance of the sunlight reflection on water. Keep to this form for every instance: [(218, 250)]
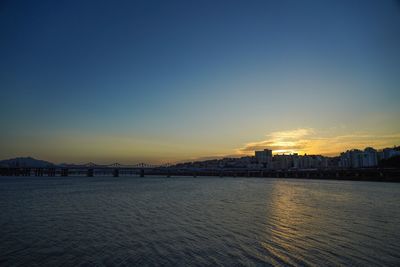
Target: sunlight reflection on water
[(203, 221)]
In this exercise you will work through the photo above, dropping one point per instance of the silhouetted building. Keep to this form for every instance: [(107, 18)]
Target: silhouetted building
[(296, 161), (370, 157), (388, 153), (356, 158), (264, 157)]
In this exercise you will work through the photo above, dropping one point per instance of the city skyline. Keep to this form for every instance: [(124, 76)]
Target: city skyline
[(249, 154), (174, 81)]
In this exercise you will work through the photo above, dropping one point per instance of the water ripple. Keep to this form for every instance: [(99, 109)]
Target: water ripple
[(104, 221)]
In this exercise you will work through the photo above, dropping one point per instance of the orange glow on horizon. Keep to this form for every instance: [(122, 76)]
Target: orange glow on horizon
[(310, 141)]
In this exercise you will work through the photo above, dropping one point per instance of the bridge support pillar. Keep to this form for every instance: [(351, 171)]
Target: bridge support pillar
[(141, 172), (38, 172), (116, 173), (90, 173), (27, 172), (51, 172), (64, 172)]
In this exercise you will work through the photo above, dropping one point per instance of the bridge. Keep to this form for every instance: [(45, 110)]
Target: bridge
[(144, 169), (89, 169), (120, 166)]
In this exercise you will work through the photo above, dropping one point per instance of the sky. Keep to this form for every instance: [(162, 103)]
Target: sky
[(167, 81)]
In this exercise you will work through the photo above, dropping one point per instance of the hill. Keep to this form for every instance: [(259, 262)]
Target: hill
[(25, 162)]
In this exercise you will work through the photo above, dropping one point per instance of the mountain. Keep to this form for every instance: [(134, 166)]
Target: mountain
[(25, 162)]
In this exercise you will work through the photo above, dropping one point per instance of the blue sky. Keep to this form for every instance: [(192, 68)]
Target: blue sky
[(163, 81)]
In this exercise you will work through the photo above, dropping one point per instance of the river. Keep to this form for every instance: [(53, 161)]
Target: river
[(153, 221)]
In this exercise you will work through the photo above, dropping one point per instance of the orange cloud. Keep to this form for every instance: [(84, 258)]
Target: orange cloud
[(307, 140)]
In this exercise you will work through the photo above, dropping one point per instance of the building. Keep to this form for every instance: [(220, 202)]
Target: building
[(264, 157), (370, 157), (296, 161), (388, 153), (356, 158)]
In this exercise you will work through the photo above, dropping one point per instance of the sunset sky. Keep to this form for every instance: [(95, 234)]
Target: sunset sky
[(166, 81)]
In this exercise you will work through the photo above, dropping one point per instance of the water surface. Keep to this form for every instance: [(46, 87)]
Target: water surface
[(107, 221)]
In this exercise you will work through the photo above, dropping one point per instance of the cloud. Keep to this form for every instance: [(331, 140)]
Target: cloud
[(307, 140), (281, 141)]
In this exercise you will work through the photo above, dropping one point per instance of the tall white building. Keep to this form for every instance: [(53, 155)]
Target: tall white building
[(370, 157), (356, 158)]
